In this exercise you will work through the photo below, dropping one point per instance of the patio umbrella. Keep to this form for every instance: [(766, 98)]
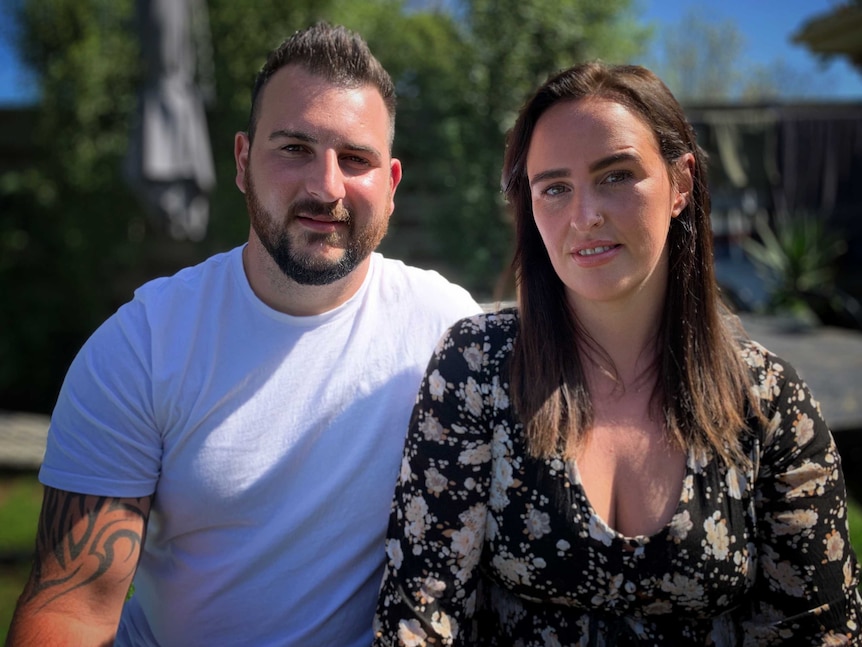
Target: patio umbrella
[(169, 162)]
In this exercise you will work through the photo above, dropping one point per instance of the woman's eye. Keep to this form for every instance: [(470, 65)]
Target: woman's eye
[(615, 177), (554, 189)]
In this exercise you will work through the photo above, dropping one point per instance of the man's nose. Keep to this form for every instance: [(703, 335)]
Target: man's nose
[(326, 180)]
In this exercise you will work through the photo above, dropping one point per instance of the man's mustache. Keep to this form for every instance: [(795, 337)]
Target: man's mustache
[(335, 211)]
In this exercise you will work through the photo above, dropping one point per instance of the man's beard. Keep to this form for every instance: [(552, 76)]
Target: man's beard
[(305, 269)]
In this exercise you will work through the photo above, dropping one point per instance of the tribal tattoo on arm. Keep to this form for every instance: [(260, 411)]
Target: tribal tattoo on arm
[(87, 549)]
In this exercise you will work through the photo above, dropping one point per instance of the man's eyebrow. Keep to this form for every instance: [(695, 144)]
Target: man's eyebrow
[(292, 134)]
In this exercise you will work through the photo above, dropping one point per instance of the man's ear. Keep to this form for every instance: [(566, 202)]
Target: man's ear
[(241, 151), (394, 179), (684, 183)]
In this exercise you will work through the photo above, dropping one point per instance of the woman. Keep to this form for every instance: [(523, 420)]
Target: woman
[(613, 462)]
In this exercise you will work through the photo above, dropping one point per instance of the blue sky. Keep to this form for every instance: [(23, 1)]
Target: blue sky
[(767, 26)]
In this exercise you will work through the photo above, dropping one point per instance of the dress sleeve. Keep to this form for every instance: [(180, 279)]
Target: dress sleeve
[(807, 573), (437, 524)]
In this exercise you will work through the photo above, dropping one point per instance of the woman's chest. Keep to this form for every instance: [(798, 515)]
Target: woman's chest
[(546, 541)]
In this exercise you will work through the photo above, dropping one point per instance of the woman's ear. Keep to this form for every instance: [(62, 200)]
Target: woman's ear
[(683, 183)]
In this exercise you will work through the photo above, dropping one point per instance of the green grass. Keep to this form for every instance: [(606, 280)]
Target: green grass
[(854, 518), (20, 502)]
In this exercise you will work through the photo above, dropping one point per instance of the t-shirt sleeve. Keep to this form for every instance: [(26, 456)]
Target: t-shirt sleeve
[(104, 438)]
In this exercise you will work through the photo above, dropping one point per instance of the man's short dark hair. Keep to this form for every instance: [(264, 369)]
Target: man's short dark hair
[(333, 53)]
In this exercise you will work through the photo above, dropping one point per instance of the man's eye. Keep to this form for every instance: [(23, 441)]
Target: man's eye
[(355, 159)]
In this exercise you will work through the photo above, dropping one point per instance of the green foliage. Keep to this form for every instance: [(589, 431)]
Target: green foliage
[(20, 503), (797, 259), (74, 242)]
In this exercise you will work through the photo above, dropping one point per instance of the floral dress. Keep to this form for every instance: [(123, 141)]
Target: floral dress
[(489, 546)]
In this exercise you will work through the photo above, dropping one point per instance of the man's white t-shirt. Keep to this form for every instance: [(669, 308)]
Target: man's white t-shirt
[(272, 444)]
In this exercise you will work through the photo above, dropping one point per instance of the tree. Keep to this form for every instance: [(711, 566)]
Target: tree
[(702, 59), (507, 48), (74, 242)]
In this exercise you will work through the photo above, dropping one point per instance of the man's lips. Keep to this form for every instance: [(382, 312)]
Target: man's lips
[(320, 222)]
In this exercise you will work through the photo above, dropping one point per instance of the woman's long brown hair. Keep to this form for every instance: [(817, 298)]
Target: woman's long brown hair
[(703, 386)]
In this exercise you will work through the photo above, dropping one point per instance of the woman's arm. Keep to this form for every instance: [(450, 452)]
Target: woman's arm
[(807, 575), (437, 526)]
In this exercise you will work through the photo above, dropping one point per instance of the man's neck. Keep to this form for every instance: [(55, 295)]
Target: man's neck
[(285, 295)]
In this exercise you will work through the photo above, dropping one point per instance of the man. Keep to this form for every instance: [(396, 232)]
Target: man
[(234, 433)]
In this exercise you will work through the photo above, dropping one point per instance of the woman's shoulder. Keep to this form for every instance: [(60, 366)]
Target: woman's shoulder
[(488, 325), (764, 364)]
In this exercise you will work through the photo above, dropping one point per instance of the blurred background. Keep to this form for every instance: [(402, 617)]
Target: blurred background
[(117, 120), (88, 211)]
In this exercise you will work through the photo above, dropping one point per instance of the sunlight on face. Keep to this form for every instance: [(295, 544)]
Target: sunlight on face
[(602, 201)]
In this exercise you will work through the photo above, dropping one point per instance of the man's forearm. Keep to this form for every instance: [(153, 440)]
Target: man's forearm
[(39, 628)]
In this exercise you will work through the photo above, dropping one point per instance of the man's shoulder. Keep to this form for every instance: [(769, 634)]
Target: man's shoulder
[(212, 270), (408, 281)]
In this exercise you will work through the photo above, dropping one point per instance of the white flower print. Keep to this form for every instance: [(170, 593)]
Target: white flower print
[(436, 386), (475, 356), (513, 570), (435, 482), (682, 587), (608, 588), (805, 480), (745, 561), (444, 625), (784, 575), (475, 517), (698, 460), (431, 428), (473, 397), (410, 633), (500, 482), (804, 428), (793, 522), (499, 397), (657, 608), (600, 531), (415, 513), (849, 573), (687, 488), (406, 473), (717, 541), (549, 635), (732, 537), (538, 523), (492, 528), (431, 589), (680, 526), (736, 481), (475, 455), (834, 546), (394, 552)]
